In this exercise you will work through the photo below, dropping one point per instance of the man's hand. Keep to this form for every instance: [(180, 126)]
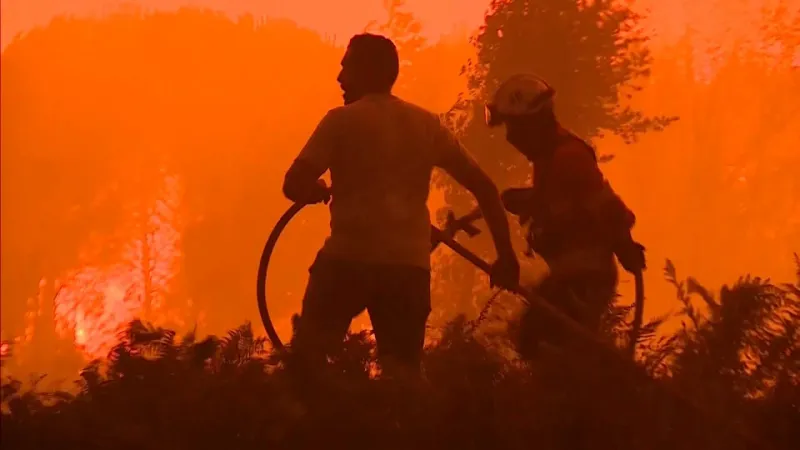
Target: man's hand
[(459, 164), (320, 193), (505, 272), (303, 184)]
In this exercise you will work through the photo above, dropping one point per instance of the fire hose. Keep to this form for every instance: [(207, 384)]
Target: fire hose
[(446, 236), (439, 236)]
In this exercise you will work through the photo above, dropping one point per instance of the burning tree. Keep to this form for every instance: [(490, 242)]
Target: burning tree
[(93, 302)]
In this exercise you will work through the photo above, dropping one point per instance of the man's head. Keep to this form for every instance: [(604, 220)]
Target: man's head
[(524, 104), (370, 66)]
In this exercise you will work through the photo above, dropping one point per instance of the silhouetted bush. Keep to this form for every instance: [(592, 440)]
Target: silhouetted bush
[(727, 379)]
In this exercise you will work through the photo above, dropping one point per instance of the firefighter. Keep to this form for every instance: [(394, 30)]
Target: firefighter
[(574, 219)]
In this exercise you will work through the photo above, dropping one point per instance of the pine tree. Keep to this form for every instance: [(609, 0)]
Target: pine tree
[(593, 53)]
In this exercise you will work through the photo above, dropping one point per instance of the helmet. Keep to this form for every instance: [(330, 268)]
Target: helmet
[(520, 95)]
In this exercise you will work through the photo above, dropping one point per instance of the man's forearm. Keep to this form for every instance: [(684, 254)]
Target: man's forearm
[(308, 194), (495, 216), (301, 183), (295, 191)]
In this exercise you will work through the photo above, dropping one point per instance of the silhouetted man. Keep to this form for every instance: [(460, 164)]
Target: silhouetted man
[(576, 221), (381, 151)]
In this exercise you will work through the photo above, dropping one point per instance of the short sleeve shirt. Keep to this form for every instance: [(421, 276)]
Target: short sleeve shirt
[(381, 152)]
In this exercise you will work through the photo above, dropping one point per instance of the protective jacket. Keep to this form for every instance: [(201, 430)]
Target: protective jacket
[(572, 213)]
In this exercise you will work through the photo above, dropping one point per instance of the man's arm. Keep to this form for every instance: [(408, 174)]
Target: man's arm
[(302, 182), (459, 164)]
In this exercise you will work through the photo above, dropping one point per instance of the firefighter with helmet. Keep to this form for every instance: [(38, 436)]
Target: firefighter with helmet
[(575, 220)]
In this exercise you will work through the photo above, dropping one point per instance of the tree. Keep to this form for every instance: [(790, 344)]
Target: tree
[(727, 172), (403, 28), (593, 52), (427, 69)]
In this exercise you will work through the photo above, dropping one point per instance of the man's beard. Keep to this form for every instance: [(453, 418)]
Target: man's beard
[(350, 96)]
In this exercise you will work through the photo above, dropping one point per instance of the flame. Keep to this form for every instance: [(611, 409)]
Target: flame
[(94, 303)]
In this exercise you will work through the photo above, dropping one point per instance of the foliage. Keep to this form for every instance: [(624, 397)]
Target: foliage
[(594, 53), (729, 154), (155, 391), (403, 28), (99, 107), (104, 109), (427, 69), (752, 330)]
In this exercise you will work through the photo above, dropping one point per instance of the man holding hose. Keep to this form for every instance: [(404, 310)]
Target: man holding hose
[(381, 151)]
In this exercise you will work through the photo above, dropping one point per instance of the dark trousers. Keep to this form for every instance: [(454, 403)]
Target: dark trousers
[(397, 298)]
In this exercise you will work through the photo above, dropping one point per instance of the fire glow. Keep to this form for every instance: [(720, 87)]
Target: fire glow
[(93, 303)]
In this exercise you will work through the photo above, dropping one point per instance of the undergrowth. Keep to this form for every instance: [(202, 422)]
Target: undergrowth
[(729, 378)]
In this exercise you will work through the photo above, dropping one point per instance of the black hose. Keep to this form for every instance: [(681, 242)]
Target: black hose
[(261, 279), (438, 236), (638, 312)]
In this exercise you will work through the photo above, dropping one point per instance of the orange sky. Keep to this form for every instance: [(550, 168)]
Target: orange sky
[(438, 16), (667, 18)]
